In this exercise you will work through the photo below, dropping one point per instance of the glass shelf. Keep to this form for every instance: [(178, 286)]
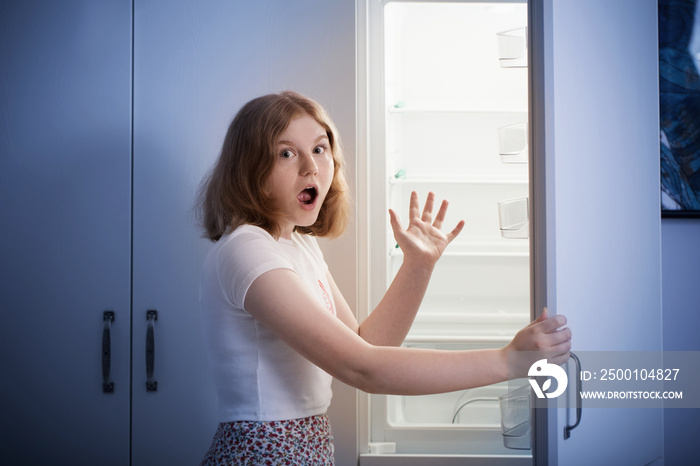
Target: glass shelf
[(503, 252), (401, 108), (495, 321), (483, 178), (457, 145), (476, 202)]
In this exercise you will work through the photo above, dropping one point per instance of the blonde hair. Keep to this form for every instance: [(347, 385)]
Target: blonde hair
[(234, 192)]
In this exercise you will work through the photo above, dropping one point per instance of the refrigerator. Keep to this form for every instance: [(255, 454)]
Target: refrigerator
[(538, 121)]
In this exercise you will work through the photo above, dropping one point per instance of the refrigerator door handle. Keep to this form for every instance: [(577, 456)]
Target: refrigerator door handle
[(569, 428)]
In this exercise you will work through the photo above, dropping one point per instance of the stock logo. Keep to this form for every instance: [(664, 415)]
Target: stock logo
[(542, 368)]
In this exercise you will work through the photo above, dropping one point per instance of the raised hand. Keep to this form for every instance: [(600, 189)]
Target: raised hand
[(423, 242)]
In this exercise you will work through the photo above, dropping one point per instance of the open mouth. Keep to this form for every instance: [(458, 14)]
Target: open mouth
[(308, 195)]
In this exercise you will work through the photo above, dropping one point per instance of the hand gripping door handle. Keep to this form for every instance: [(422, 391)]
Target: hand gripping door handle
[(568, 429), (151, 317), (107, 318)]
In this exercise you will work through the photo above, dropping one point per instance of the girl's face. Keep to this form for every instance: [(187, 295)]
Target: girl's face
[(302, 173)]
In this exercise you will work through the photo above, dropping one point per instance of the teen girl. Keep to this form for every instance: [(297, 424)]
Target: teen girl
[(277, 327)]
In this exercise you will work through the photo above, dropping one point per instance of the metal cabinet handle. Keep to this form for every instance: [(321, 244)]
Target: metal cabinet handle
[(107, 318), (151, 317), (579, 410)]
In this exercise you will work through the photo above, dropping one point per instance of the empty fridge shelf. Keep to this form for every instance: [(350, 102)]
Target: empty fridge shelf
[(468, 330)]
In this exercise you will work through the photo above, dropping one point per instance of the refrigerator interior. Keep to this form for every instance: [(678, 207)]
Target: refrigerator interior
[(454, 110)]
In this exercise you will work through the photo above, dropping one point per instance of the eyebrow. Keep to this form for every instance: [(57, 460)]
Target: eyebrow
[(290, 143)]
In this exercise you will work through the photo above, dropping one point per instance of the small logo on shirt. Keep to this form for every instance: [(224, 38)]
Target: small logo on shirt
[(326, 298)]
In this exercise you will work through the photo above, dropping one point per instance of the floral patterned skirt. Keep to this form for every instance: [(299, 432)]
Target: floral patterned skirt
[(306, 441)]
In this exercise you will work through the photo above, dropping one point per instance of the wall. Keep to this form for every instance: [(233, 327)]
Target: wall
[(681, 321)]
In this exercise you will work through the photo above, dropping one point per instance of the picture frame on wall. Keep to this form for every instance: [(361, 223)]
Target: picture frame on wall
[(679, 104)]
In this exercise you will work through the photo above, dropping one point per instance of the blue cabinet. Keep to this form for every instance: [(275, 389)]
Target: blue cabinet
[(111, 112), (94, 219)]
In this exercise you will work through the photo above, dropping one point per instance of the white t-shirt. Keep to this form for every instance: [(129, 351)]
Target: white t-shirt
[(258, 377)]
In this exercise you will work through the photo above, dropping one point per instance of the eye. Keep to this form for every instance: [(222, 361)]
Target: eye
[(320, 150), (287, 154)]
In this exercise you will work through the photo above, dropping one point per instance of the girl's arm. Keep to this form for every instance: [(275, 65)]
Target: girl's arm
[(279, 300), (422, 244)]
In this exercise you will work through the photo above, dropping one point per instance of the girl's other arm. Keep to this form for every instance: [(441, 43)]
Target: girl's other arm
[(422, 244), (279, 300)]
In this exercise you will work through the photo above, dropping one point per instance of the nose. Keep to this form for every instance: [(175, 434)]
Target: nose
[(308, 165)]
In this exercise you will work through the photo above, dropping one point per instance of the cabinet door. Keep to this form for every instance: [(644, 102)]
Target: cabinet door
[(176, 133), (65, 168), (195, 64)]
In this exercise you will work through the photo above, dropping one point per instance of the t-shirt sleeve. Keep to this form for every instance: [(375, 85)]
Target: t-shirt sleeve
[(315, 251), (243, 258)]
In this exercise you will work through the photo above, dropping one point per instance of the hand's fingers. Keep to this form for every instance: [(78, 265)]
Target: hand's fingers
[(428, 208), (560, 348), (559, 359), (414, 207), (395, 223), (453, 234), (441, 215), (552, 324), (559, 337), (540, 318)]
